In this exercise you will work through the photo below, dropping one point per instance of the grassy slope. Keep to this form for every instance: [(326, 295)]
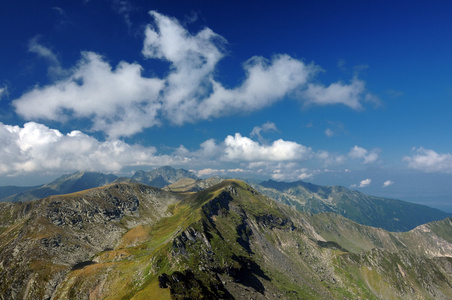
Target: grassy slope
[(224, 242), (229, 241)]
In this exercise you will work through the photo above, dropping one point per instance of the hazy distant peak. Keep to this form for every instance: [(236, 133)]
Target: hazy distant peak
[(162, 176)]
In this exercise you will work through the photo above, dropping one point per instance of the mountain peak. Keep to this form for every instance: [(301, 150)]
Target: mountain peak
[(162, 176)]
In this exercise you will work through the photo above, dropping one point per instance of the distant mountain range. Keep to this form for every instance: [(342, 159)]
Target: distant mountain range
[(80, 181), (63, 185), (127, 240), (162, 176), (392, 215), (9, 190)]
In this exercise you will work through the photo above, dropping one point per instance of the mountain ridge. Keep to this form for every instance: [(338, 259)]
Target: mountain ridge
[(128, 240), (390, 214), (80, 180), (65, 184), (162, 176)]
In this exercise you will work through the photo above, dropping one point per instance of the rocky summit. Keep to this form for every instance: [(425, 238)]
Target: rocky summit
[(227, 241)]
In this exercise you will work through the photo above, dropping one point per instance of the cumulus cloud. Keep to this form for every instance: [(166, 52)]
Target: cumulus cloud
[(245, 149), (428, 160), (193, 59), (208, 172), (363, 183), (35, 147), (266, 127), (291, 172), (192, 93), (267, 81), (120, 101), (360, 153), (280, 160), (328, 158), (38, 148), (209, 149), (351, 95), (388, 183)]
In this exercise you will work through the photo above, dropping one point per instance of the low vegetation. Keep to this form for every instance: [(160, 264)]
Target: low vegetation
[(228, 241)]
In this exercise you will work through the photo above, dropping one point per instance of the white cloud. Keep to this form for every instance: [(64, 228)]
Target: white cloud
[(361, 153), (125, 9), (350, 95), (329, 132), (335, 129), (63, 18), (328, 158), (192, 93), (193, 59), (285, 172), (427, 160), (244, 149), (363, 183), (3, 92), (36, 147), (267, 81), (209, 149), (35, 47), (120, 101), (55, 69), (208, 172), (388, 183), (266, 127)]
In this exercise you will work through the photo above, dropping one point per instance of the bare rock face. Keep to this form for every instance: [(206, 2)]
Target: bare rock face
[(42, 241)]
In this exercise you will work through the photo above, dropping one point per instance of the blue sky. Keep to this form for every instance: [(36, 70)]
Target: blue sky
[(353, 93)]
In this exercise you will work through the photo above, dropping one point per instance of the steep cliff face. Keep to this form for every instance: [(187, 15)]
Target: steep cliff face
[(225, 242)]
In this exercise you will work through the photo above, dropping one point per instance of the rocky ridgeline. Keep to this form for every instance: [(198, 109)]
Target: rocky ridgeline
[(227, 241)]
